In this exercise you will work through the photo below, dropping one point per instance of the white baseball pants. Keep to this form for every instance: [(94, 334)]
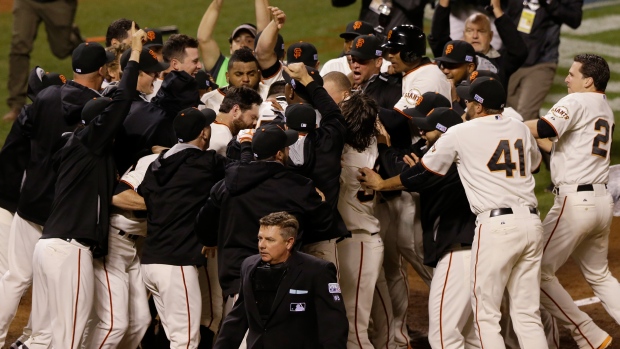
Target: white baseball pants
[(578, 226), (6, 218), (325, 250), (506, 254)]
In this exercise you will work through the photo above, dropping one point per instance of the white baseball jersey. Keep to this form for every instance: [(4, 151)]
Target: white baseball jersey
[(156, 86), (341, 64), (416, 82), (584, 123), (495, 157), (356, 205), (220, 136), (214, 99)]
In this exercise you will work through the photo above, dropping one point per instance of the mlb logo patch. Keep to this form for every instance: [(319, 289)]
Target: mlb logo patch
[(333, 288), (298, 307), (441, 127), (478, 99)]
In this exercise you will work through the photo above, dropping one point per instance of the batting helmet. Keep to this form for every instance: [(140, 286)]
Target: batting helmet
[(410, 39)]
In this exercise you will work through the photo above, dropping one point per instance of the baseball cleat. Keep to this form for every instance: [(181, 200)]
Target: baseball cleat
[(606, 343), (16, 345)]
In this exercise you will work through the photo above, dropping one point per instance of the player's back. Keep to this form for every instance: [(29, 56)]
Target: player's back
[(584, 122), (495, 158), (425, 78)]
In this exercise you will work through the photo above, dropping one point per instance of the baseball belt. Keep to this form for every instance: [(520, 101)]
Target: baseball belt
[(580, 187), (507, 210)]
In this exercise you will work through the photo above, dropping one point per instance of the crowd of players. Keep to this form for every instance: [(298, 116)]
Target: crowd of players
[(146, 177)]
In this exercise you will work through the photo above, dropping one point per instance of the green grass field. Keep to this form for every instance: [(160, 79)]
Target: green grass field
[(314, 21)]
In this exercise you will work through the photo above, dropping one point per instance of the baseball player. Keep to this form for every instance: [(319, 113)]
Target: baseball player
[(496, 173), (580, 127)]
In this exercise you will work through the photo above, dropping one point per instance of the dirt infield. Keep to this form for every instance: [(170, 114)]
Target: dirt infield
[(569, 276)]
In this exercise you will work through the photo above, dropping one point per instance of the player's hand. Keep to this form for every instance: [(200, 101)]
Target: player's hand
[(320, 194), (497, 8), (384, 136), (411, 159), (138, 37), (370, 179), (246, 135), (298, 72), (278, 16), (275, 105), (390, 70), (209, 252)]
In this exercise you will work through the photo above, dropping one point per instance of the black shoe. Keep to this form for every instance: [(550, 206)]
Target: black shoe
[(16, 344)]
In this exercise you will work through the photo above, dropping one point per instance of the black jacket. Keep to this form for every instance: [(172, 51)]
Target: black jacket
[(56, 110), (174, 189), (385, 89), (87, 174), (322, 155), (512, 55), (446, 216), (309, 284), (150, 124), (249, 192)]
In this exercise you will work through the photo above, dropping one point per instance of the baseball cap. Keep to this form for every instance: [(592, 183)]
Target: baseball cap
[(441, 119), (88, 57), (298, 87), (94, 108), (204, 80), (302, 52), (427, 102), (366, 47), (148, 61), (251, 28), (38, 80), (270, 139), (462, 90), (487, 91), (278, 49), (300, 117), (457, 51), (190, 122), (357, 28), (154, 38)]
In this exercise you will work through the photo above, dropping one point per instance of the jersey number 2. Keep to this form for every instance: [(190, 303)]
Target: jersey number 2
[(503, 149), (602, 126)]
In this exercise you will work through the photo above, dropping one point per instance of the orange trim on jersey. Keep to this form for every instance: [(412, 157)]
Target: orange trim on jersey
[(129, 184), (401, 112), (189, 317), (475, 280), (357, 293), (569, 319), (387, 343), (220, 91), (553, 127), (404, 276), (556, 224), (221, 123), (443, 292), (210, 296), (111, 307), (418, 67), (77, 297), (429, 170)]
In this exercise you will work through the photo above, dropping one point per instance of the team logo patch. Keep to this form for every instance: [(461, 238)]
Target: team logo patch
[(297, 52), (333, 287), (419, 101), (473, 76), (298, 307), (449, 49), (478, 98), (441, 127), (153, 54), (560, 112), (389, 35), (62, 78), (378, 53), (412, 96), (357, 25), (316, 58), (150, 35), (469, 58), (359, 43)]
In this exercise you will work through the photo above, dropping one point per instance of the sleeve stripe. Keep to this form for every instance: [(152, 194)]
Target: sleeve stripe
[(429, 170), (129, 184), (553, 127)]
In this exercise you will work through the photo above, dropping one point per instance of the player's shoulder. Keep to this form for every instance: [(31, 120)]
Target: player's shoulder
[(217, 93)]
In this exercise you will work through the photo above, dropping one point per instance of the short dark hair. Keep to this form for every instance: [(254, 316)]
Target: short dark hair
[(360, 113), (244, 97), (174, 47), (118, 30), (595, 67), (277, 88), (244, 55), (287, 223)]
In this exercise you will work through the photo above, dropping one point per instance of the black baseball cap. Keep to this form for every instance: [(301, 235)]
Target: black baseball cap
[(148, 61), (204, 80), (154, 38), (462, 90), (38, 80), (298, 87), (278, 49), (300, 117), (88, 57), (302, 52), (487, 91), (190, 122), (366, 47), (94, 108), (248, 27), (457, 51), (438, 119), (427, 102), (270, 139), (357, 28)]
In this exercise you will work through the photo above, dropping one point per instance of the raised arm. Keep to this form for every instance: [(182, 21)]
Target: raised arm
[(263, 15), (264, 52), (209, 51)]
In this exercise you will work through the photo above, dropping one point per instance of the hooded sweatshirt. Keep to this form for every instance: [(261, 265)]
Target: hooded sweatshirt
[(56, 110), (174, 188), (150, 124), (249, 192)]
